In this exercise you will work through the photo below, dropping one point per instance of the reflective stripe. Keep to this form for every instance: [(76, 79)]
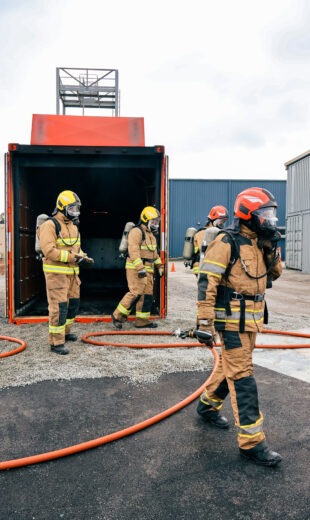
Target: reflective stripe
[(149, 269), (196, 249), (237, 321), (196, 269), (70, 321), (251, 430), (215, 403), (122, 309), (64, 256), (68, 241), (250, 316), (212, 274), (158, 261), (60, 269), (249, 436), (129, 265), (216, 263), (137, 261), (56, 330), (149, 247), (213, 267), (143, 314)]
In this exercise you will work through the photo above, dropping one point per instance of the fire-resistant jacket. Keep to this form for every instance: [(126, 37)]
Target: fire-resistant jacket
[(197, 247), (59, 250), (142, 254), (212, 295)]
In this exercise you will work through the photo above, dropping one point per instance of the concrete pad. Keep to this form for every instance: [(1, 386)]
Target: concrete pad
[(179, 469), (294, 363)]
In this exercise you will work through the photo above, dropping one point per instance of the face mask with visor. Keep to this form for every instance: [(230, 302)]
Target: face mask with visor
[(72, 211), (265, 219), (153, 224), (219, 222)]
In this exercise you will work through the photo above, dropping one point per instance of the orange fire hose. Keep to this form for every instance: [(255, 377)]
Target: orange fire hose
[(14, 340), (43, 457), (171, 345)]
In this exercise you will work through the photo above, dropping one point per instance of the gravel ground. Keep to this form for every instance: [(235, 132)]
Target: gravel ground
[(140, 366), (37, 363)]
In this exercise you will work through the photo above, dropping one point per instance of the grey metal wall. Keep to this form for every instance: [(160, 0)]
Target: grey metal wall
[(191, 200), (298, 215)]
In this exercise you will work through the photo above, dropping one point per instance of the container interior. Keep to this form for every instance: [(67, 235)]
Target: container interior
[(114, 185)]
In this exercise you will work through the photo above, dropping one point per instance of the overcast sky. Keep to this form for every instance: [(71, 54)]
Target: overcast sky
[(224, 85)]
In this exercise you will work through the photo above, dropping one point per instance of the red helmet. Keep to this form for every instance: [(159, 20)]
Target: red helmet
[(218, 212), (259, 205)]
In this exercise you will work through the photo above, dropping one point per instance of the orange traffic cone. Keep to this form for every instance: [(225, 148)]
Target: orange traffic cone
[(172, 268)]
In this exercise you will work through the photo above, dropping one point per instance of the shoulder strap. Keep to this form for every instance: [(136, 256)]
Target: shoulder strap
[(142, 231), (235, 250), (57, 225)]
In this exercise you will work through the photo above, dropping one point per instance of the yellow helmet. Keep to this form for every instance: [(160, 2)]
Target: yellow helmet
[(69, 204), (149, 213)]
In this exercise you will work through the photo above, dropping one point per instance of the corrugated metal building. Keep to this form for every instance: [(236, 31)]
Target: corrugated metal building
[(190, 202), (298, 213)]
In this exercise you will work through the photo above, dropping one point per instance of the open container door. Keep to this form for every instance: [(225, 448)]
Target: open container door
[(114, 184), (8, 255)]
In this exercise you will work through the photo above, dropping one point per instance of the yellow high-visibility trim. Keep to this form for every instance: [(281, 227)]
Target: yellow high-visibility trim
[(68, 241), (150, 247), (64, 256), (251, 425), (69, 321), (207, 261), (60, 269), (56, 330), (149, 269), (248, 435), (196, 249), (137, 261), (237, 321), (123, 310), (215, 400), (237, 309), (130, 266), (143, 314), (212, 274), (157, 261)]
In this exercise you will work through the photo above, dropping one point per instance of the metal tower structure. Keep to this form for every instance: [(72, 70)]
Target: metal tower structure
[(87, 88)]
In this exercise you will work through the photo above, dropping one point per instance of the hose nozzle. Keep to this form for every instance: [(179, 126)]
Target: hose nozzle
[(191, 333)]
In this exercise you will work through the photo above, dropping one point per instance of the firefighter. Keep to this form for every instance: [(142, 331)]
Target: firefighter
[(141, 262), (231, 293), (61, 246), (217, 217)]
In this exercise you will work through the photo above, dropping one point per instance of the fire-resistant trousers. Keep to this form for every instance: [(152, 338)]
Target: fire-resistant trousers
[(234, 375), (140, 294), (63, 296)]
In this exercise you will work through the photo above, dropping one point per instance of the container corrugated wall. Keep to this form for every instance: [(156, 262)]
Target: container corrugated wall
[(191, 200), (298, 215)]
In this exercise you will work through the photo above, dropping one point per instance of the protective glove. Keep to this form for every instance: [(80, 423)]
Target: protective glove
[(142, 273), (160, 271), (84, 260), (207, 326)]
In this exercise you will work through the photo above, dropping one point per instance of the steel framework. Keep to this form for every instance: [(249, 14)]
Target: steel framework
[(87, 88)]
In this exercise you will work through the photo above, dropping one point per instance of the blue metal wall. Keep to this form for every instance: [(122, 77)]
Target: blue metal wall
[(191, 200)]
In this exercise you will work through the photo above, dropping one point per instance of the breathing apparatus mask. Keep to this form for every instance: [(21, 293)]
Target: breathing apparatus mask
[(219, 222), (153, 225), (72, 211)]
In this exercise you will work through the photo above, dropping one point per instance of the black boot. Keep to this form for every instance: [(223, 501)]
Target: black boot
[(262, 455), (71, 337), (60, 349), (117, 324), (215, 419), (151, 325)]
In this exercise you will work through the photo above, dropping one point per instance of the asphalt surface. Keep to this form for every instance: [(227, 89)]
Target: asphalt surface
[(180, 469)]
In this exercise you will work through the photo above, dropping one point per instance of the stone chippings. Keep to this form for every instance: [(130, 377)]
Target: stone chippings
[(140, 366)]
